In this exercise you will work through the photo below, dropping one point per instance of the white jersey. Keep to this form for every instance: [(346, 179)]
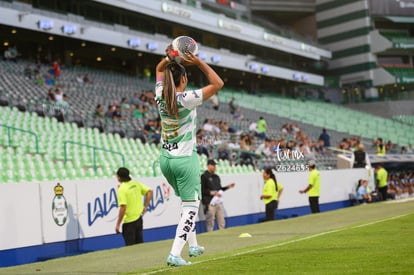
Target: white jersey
[(178, 135)]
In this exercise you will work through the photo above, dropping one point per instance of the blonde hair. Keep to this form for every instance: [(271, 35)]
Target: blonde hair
[(172, 78)]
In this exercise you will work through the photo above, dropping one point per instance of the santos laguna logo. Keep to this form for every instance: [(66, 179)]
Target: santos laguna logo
[(102, 206), (59, 206)]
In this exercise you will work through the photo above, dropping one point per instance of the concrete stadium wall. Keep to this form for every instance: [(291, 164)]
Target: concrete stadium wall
[(50, 219)]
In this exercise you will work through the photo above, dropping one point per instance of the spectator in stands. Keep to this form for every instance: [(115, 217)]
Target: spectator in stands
[(151, 131), (221, 147), (39, 80), (143, 98), (295, 129), (405, 185), (363, 194), (86, 79), (27, 72), (265, 149), (381, 150), (99, 111), (359, 157), (56, 69), (210, 126), (253, 128), (261, 128), (326, 138), (201, 146), (115, 104), (233, 145), (117, 114), (125, 105), (79, 79), (109, 112), (381, 180), (99, 116), (51, 95), (36, 70), (305, 147), (58, 94), (319, 147), (410, 149), (247, 154), (215, 102), (388, 146), (49, 80), (232, 106), (140, 111), (10, 54), (238, 115), (136, 100), (285, 129), (62, 108)]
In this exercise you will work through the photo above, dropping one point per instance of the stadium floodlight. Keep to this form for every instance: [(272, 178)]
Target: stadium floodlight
[(215, 59), (305, 77), (296, 76), (253, 67), (45, 24), (264, 69), (69, 29), (152, 46), (202, 55), (133, 42)]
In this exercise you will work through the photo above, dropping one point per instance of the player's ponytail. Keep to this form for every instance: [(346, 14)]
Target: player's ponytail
[(172, 77)]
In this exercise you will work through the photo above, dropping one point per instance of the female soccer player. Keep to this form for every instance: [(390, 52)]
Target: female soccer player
[(179, 160)]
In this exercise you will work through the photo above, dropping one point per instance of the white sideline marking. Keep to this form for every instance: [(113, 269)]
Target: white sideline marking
[(289, 242)]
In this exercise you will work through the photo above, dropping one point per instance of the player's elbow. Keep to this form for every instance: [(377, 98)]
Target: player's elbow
[(220, 84)]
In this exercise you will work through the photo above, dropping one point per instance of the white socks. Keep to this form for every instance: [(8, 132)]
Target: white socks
[(186, 227)]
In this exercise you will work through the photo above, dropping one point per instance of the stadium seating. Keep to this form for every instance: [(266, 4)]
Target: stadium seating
[(26, 108), (23, 160)]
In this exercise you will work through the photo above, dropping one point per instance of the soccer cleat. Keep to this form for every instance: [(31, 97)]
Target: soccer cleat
[(176, 261), (195, 251)]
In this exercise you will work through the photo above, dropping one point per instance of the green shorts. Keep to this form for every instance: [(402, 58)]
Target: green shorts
[(183, 174)]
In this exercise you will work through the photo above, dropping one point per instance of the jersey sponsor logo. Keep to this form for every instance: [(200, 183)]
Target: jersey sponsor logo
[(188, 225), (170, 146), (196, 95)]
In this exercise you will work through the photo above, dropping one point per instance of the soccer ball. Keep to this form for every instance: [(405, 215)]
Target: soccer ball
[(182, 45)]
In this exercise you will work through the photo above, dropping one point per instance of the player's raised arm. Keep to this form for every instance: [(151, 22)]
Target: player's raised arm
[(216, 83), (159, 70)]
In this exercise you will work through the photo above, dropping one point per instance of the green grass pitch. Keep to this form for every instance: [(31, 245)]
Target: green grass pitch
[(367, 239)]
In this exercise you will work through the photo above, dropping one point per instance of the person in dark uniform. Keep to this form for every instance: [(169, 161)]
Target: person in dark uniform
[(360, 157), (212, 192)]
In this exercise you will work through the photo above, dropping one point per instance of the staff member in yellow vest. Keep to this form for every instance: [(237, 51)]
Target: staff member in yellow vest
[(313, 188), (131, 207), (272, 190), (382, 181), (381, 150)]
